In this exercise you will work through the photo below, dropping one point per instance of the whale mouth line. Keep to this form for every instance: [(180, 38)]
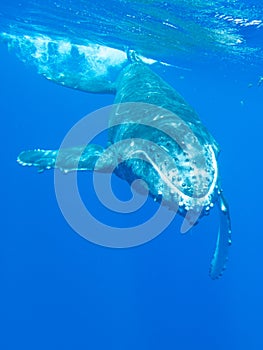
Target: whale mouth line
[(196, 201)]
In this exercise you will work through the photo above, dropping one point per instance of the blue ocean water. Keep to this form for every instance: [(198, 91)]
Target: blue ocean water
[(60, 291)]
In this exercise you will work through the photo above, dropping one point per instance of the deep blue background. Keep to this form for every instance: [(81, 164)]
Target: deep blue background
[(59, 291)]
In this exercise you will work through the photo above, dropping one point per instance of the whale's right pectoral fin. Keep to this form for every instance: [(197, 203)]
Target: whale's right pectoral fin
[(67, 159), (220, 257)]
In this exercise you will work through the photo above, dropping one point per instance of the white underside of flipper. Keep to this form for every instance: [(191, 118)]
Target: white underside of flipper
[(218, 263)]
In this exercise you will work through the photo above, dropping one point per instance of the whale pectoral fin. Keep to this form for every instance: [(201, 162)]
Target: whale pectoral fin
[(220, 257), (67, 159), (42, 159)]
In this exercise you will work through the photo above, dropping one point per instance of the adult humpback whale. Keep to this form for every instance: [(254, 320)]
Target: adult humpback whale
[(175, 155)]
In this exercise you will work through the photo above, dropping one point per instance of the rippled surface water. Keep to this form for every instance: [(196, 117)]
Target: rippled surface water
[(163, 30)]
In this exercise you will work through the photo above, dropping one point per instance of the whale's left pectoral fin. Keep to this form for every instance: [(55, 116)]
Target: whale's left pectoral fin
[(67, 159), (220, 257)]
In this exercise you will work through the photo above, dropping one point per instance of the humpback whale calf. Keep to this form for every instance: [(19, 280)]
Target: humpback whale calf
[(174, 153)]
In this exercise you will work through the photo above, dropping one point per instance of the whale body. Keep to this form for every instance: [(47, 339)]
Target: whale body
[(161, 141)]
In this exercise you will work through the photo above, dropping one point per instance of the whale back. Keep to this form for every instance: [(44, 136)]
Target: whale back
[(138, 83)]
